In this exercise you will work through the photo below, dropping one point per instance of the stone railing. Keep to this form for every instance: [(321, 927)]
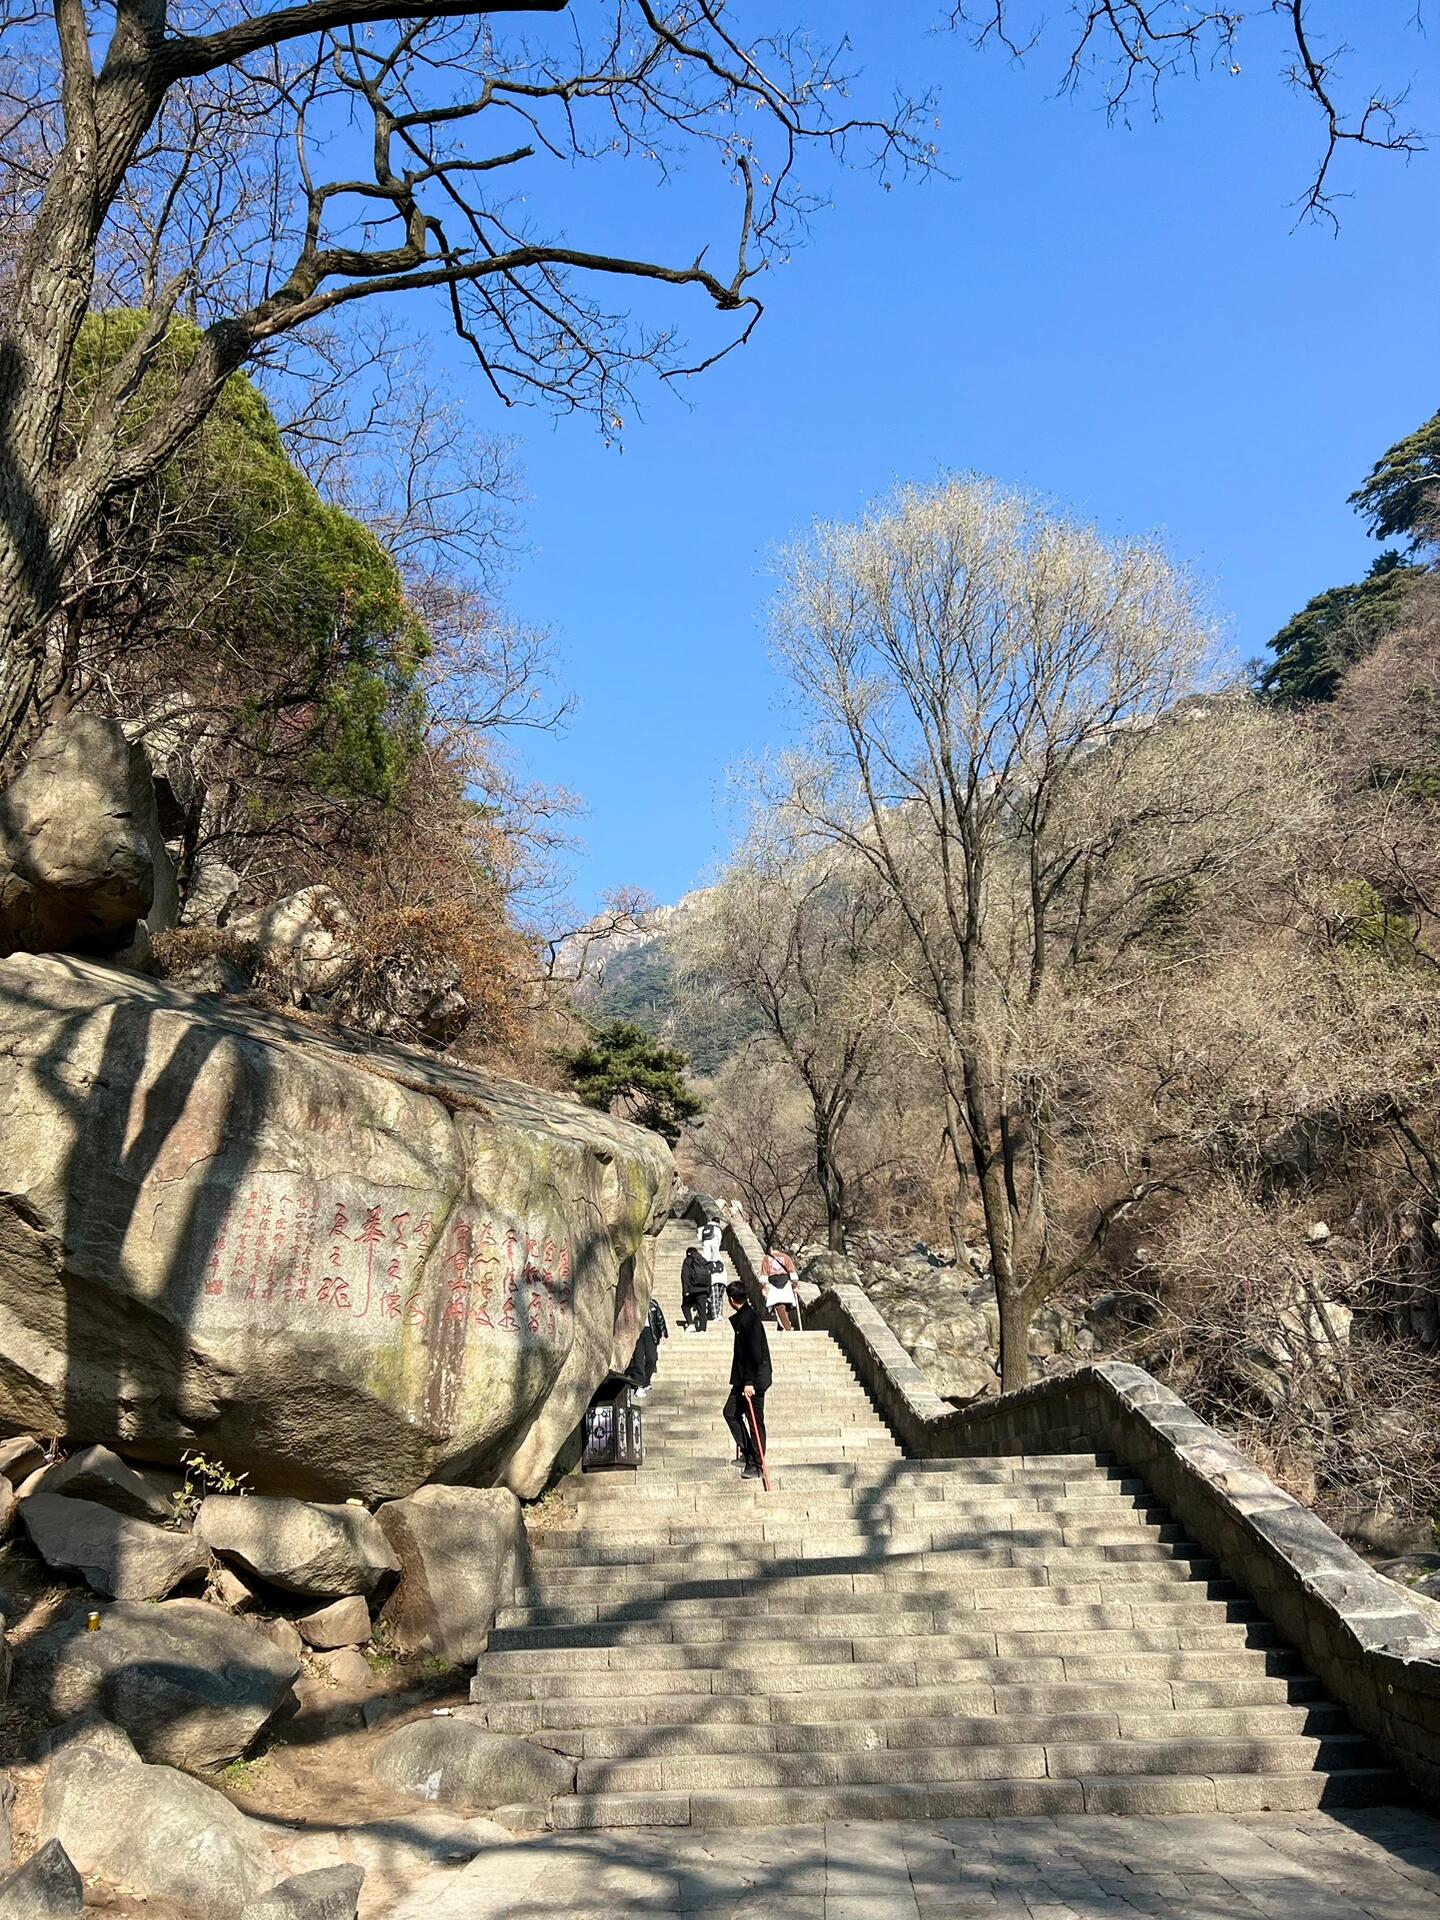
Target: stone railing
[(1377, 1654)]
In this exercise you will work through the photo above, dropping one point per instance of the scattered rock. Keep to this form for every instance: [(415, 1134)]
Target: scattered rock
[(460, 1550), (190, 1685), (349, 1670), (464, 1765), (7, 1804), (283, 1634), (7, 1506), (20, 1457), (82, 855), (5, 1662), (126, 1559), (97, 1474), (47, 1887), (324, 1552), (330, 1893), (454, 1262), (155, 1832), (344, 1623), (227, 1589)]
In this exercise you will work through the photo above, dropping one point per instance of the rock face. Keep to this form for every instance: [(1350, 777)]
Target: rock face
[(190, 1685), (123, 1558), (82, 857), (341, 1268), (464, 1765), (154, 1832), (323, 1552), (460, 1549)]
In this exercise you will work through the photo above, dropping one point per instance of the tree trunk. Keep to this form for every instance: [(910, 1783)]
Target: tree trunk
[(832, 1189), (1017, 1310)]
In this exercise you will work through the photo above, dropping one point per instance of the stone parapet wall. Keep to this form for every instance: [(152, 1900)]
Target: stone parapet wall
[(1377, 1654)]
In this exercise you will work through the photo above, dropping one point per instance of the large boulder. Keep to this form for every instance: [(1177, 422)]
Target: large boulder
[(82, 854), (323, 1552), (459, 1550), (462, 1764), (155, 1832), (191, 1685), (342, 1268), (123, 1558)]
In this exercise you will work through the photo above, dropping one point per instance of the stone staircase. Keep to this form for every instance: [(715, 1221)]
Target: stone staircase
[(888, 1638)]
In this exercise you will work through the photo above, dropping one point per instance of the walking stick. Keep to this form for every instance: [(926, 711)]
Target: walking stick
[(755, 1429)]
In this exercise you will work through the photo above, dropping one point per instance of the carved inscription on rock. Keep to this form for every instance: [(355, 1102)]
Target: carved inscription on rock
[(287, 1252)]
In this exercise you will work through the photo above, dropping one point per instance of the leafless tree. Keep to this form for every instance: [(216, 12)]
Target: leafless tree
[(1000, 738), (263, 169), (1131, 48), (802, 943)]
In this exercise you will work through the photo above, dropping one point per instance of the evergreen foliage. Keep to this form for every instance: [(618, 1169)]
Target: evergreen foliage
[(1401, 497), (622, 1067), (1335, 629)]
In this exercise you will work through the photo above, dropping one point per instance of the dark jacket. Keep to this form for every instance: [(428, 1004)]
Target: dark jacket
[(694, 1274), (751, 1365), (657, 1322)]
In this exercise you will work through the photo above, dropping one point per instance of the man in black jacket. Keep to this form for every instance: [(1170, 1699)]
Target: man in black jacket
[(749, 1378)]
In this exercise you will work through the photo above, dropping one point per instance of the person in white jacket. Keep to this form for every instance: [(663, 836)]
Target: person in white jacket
[(777, 1271)]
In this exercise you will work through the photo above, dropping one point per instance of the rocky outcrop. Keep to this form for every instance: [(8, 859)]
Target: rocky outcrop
[(460, 1550), (323, 1552), (305, 944), (82, 855), (191, 1685), (946, 1319), (342, 1269), (98, 1475)]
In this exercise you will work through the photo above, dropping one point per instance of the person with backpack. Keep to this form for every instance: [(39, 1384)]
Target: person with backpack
[(695, 1290), (777, 1272)]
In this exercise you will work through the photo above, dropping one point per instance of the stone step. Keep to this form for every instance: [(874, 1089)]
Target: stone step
[(499, 1678), (915, 1611), (900, 1513), (941, 1621), (853, 1482), (993, 1799), (812, 1640), (666, 1561), (651, 1501), (823, 1536), (998, 1704), (674, 1740), (584, 1587), (968, 1760)]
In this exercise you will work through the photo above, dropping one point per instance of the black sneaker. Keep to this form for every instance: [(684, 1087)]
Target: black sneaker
[(751, 1473)]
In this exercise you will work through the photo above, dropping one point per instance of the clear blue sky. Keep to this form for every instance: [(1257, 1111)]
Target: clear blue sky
[(1124, 319)]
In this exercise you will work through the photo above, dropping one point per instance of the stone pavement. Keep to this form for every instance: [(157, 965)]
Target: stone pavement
[(1377, 1864)]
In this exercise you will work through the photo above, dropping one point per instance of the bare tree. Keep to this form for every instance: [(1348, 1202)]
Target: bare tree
[(262, 170), (802, 942), (1133, 47), (987, 683)]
